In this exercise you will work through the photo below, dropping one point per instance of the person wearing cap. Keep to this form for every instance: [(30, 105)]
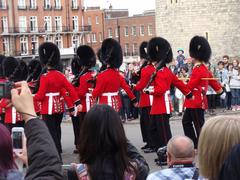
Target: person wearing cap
[(49, 93), (145, 101), (180, 59), (109, 81), (13, 71), (200, 51), (160, 53)]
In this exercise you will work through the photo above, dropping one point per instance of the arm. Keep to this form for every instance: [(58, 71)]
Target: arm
[(83, 88), (42, 89), (181, 86), (43, 159), (100, 86), (142, 83), (194, 79), (126, 88), (68, 100), (215, 85), (143, 169)]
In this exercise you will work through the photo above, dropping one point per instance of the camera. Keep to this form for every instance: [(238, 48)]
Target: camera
[(5, 89), (162, 156)]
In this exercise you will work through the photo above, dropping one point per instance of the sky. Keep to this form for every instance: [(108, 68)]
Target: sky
[(134, 6)]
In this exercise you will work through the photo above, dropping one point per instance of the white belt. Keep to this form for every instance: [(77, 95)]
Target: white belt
[(50, 101), (14, 115), (109, 97), (167, 102), (151, 96), (88, 101)]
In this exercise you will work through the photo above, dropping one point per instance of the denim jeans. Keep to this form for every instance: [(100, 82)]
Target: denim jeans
[(235, 97)]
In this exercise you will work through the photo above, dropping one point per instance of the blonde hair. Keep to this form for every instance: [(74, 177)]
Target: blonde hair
[(217, 138)]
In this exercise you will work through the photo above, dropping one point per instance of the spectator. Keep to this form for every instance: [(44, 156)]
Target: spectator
[(229, 94), (217, 138), (226, 60), (104, 150), (235, 85), (43, 159), (180, 59), (180, 159), (222, 74), (8, 168), (230, 169)]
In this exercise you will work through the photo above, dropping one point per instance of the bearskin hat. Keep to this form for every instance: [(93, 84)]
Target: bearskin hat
[(200, 49), (9, 66), (160, 50), (49, 54), (86, 56), (111, 53), (143, 50), (34, 69), (2, 57), (22, 71), (76, 66)]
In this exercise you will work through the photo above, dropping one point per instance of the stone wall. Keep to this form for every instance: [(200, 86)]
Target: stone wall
[(218, 20)]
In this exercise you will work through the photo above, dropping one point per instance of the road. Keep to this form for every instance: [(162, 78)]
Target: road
[(132, 130)]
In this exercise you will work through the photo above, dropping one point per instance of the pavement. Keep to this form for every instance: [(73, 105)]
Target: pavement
[(133, 133)]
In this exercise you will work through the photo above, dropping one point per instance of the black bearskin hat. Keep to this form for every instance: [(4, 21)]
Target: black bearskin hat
[(111, 53), (200, 49), (143, 50), (2, 57), (49, 54), (9, 66), (34, 69), (22, 71), (76, 66), (160, 50), (86, 56)]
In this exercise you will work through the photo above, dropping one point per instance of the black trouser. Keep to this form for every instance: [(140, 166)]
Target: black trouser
[(160, 130), (77, 123), (145, 123), (192, 117), (2, 116), (211, 101), (229, 100), (53, 123)]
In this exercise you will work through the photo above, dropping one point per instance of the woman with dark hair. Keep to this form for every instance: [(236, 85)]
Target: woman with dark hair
[(8, 168), (104, 149)]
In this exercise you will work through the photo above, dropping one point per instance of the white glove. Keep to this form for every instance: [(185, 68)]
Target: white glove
[(223, 95)]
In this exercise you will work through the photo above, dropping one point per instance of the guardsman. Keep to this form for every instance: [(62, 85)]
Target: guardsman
[(109, 81), (200, 51)]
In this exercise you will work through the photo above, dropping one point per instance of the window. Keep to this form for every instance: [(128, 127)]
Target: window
[(116, 32), (23, 45), (34, 40), (126, 31), (33, 24), (6, 46), (48, 38), (74, 4), (4, 23), (110, 33), (58, 23), (47, 23), (97, 20), (58, 4), (3, 4), (135, 49), (88, 38), (58, 41), (134, 31), (21, 4), (75, 41), (33, 4), (22, 24), (94, 39), (100, 37), (75, 23), (47, 4), (126, 49), (89, 21), (150, 30), (142, 30)]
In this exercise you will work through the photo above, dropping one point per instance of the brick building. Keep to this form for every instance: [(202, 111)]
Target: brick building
[(218, 21), (27, 23)]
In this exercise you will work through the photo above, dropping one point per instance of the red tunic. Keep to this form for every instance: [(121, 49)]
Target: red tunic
[(2, 110), (161, 96), (37, 104), (11, 115), (108, 84), (146, 74), (199, 87), (83, 91), (49, 93)]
